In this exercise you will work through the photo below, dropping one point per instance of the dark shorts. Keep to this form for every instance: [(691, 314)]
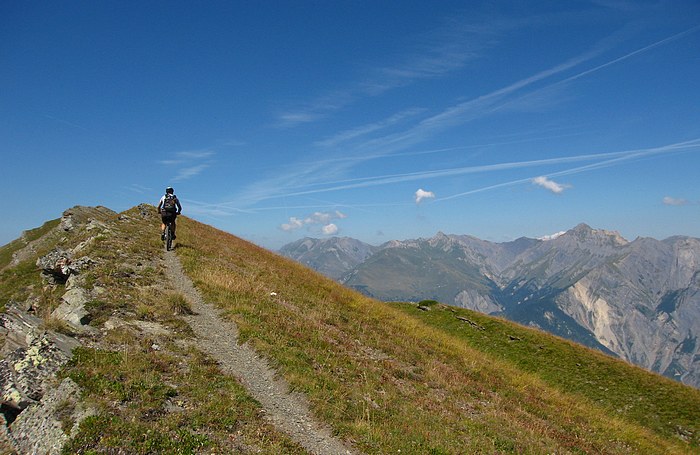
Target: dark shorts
[(168, 217)]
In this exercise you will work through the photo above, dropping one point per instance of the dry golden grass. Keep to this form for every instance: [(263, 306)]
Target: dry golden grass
[(152, 394), (178, 304), (387, 380)]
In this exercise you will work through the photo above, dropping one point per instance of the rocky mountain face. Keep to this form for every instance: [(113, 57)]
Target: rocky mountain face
[(332, 257), (638, 300)]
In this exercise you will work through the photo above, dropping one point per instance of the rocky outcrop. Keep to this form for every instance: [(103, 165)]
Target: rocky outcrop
[(31, 355), (80, 215), (47, 426), (35, 411), (38, 411), (72, 310), (58, 265)]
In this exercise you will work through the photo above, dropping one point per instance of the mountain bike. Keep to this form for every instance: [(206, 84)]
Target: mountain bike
[(168, 236)]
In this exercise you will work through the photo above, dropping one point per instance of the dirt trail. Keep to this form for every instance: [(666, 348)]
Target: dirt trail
[(289, 412)]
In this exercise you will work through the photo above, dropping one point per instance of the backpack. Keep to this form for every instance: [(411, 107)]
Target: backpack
[(169, 204)]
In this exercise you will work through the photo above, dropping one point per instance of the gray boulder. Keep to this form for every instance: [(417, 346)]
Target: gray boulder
[(40, 428), (56, 265), (31, 355), (72, 310)]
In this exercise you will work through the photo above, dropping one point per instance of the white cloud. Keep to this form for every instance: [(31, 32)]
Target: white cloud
[(551, 236), (422, 194), (293, 225), (668, 200), (324, 217), (329, 229), (551, 185), (317, 218)]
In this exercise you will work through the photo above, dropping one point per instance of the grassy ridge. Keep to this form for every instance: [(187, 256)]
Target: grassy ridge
[(668, 407), (389, 377), (23, 280), (6, 251), (385, 376), (133, 384), (153, 393)]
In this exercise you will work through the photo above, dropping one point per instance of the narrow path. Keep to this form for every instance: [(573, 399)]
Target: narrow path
[(289, 412)]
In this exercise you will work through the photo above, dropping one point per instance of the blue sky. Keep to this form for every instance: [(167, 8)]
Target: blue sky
[(377, 120)]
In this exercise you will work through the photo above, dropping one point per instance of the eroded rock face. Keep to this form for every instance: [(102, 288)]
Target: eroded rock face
[(43, 428), (32, 406), (58, 265), (39, 413), (72, 310), (79, 215), (31, 355)]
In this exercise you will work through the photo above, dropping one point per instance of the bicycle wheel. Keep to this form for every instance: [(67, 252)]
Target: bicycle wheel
[(168, 237)]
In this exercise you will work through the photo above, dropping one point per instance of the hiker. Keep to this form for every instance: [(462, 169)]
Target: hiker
[(169, 208)]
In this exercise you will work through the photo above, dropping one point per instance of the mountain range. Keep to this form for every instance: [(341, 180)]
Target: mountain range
[(110, 344), (638, 300)]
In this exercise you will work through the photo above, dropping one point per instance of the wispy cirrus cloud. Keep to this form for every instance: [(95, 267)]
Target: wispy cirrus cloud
[(319, 172), (434, 54), (190, 163), (530, 93), (268, 191), (189, 172), (668, 200), (364, 130), (327, 174), (601, 160), (615, 158), (136, 188)]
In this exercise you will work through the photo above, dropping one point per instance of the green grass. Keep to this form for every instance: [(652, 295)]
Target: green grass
[(134, 386), (390, 377), (6, 251), (22, 281), (153, 393), (666, 406)]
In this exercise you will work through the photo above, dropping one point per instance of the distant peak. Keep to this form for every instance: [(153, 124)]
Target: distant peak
[(582, 227), (583, 230)]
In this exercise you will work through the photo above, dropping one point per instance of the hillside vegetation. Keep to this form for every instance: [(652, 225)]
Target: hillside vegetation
[(390, 376), (386, 377)]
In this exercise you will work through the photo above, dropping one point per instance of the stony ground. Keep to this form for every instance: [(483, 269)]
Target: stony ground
[(215, 336), (289, 412)]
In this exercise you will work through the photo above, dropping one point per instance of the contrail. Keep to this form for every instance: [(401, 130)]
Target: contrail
[(623, 156), (400, 178)]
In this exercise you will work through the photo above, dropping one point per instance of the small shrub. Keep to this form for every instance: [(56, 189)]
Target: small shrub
[(178, 304), (145, 312)]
